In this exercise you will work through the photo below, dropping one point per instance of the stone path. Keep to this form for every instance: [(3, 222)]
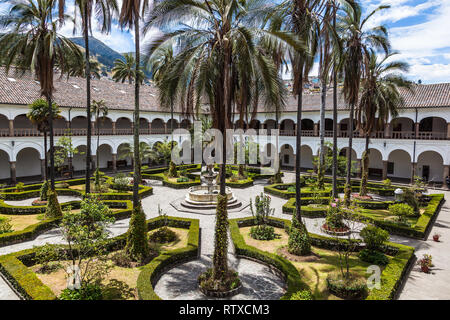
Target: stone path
[(28, 202), (418, 285)]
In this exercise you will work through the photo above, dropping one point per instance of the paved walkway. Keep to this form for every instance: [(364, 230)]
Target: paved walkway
[(418, 285), (29, 202)]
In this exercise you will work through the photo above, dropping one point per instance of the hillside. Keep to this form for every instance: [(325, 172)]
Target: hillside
[(104, 54)]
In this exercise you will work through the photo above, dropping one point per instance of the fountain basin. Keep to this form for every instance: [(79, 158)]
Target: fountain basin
[(206, 194)]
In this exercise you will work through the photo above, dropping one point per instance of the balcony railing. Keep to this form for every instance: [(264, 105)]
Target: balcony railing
[(33, 132)]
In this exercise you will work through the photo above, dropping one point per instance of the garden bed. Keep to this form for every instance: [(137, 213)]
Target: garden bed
[(311, 275)]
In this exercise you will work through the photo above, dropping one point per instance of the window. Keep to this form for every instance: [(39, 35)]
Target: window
[(286, 158), (390, 168)]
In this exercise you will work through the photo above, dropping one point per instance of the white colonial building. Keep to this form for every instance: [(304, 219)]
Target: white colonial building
[(415, 143)]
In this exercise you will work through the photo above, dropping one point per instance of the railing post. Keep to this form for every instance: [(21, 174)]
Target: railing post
[(316, 129)]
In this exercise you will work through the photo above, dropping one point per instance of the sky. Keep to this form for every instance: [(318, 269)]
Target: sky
[(419, 30)]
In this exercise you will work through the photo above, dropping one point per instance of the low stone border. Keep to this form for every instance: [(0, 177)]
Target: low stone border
[(217, 294)]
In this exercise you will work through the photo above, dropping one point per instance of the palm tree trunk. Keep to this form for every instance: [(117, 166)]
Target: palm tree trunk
[(136, 162), (322, 135), (335, 191), (298, 213), (96, 151), (52, 149), (88, 102), (365, 168), (45, 156), (348, 182)]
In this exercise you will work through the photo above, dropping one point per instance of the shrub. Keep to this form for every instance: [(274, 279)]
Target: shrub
[(401, 210), (120, 182), (374, 237), (163, 235), (44, 191), (20, 187), (87, 292), (53, 208), (349, 287), (137, 245), (302, 295), (172, 170), (44, 255), (411, 198), (262, 232), (335, 216), (299, 242), (387, 183), (5, 225), (183, 179), (373, 256)]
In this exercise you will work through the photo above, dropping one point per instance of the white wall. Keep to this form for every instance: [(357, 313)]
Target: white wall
[(28, 163), (306, 157), (4, 165), (402, 164), (433, 160)]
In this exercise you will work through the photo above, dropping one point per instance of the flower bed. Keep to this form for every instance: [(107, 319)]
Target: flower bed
[(14, 266)]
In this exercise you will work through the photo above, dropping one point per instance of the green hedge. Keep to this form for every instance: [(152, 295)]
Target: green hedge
[(391, 277), (280, 190), (14, 265), (289, 207), (31, 232)]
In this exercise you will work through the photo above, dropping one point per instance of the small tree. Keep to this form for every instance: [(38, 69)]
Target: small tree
[(65, 151), (53, 207), (87, 237), (261, 213), (299, 242), (137, 243)]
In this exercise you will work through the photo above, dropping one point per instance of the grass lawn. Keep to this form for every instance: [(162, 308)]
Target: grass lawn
[(385, 215), (313, 272), (120, 283), (20, 222)]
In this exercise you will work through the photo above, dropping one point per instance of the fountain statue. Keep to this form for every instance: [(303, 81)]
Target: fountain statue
[(205, 196)]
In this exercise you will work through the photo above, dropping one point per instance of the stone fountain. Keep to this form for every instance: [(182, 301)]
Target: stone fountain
[(204, 197)]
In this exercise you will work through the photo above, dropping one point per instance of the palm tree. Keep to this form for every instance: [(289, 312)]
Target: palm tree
[(137, 245), (79, 70), (357, 42), (126, 70), (380, 98), (104, 11), (32, 42), (98, 107), (39, 115), (145, 152), (204, 69)]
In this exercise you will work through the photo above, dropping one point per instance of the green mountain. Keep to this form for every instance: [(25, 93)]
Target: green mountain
[(104, 54)]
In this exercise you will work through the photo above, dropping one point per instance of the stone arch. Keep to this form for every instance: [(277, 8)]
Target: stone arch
[(104, 154), (158, 125), (169, 124), (270, 124), (121, 153), (4, 126), (402, 128), (185, 124), (306, 157), (343, 152), (79, 159), (124, 126), (28, 162), (255, 124), (433, 128), (287, 157), (104, 124), (287, 125), (399, 164), (4, 164), (430, 166)]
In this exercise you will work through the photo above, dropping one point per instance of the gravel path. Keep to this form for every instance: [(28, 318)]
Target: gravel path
[(29, 202)]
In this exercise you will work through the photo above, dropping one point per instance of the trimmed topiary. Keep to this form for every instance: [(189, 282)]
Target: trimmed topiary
[(53, 208), (374, 257), (137, 245), (173, 173), (299, 242), (44, 191)]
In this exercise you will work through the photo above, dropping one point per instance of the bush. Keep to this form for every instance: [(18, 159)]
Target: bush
[(53, 208), (410, 198), (163, 235), (120, 182), (20, 187), (44, 191), (401, 209), (183, 179), (62, 185), (262, 232), (302, 295), (137, 245), (5, 225), (373, 256), (44, 255), (374, 237), (351, 287), (299, 242), (87, 292)]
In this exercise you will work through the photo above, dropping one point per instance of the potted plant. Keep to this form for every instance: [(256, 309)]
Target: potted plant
[(425, 263), (436, 237)]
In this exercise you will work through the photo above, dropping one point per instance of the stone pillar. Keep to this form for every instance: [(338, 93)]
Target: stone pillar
[(149, 127), (113, 127), (414, 171), (11, 128), (12, 166), (316, 129), (387, 131), (448, 130), (165, 127), (446, 174), (385, 165), (416, 132), (67, 124), (43, 168), (114, 162)]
